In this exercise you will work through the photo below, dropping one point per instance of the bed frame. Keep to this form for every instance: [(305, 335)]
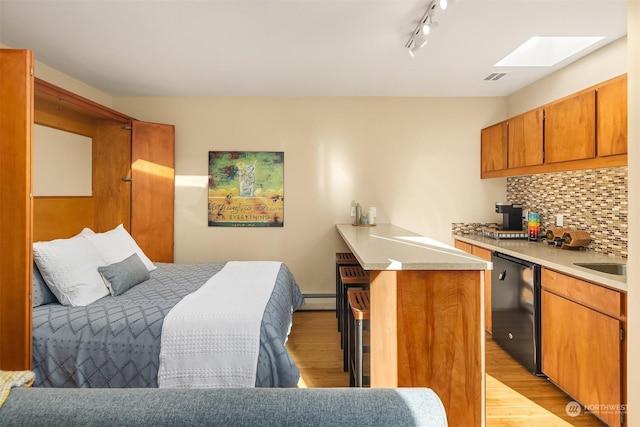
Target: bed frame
[(132, 177)]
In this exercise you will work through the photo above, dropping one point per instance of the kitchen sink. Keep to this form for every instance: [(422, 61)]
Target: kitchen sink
[(605, 267)]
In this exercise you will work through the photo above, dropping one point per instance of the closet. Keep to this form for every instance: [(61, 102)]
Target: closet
[(132, 184)]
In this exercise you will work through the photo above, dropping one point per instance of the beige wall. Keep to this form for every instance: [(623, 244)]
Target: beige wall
[(415, 159), (61, 163), (601, 65), (53, 76)]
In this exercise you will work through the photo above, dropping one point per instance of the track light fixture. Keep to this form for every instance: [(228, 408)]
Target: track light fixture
[(419, 40), (426, 24)]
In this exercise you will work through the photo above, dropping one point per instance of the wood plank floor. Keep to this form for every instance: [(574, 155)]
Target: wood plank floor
[(515, 397)]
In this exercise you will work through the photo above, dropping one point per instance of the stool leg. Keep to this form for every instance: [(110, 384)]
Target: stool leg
[(337, 286), (358, 351), (351, 322), (345, 336), (341, 312)]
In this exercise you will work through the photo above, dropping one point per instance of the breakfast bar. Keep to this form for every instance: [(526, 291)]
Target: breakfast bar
[(427, 327)]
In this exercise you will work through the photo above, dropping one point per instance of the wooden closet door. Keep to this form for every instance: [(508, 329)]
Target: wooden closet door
[(16, 142), (152, 190)]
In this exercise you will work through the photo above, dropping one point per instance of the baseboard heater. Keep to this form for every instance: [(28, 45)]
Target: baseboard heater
[(319, 302), (319, 295)]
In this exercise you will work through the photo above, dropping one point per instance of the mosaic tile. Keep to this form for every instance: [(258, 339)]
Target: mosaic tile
[(593, 200)]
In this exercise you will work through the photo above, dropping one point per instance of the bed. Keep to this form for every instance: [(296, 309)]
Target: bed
[(116, 341)]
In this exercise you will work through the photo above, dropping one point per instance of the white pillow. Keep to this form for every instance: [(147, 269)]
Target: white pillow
[(70, 269), (116, 245), (85, 232)]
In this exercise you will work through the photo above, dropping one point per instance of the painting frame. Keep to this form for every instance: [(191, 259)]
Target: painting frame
[(246, 189)]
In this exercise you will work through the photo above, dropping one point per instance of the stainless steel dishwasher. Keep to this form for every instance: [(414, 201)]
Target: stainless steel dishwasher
[(515, 309)]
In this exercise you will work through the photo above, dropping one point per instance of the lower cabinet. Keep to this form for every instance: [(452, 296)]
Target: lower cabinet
[(583, 343), (486, 255)]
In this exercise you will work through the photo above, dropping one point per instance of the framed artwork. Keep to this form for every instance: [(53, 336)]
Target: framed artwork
[(246, 189)]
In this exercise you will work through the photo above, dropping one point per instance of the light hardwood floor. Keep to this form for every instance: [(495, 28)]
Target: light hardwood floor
[(514, 396)]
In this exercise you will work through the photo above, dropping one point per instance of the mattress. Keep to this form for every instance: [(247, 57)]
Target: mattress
[(115, 341)]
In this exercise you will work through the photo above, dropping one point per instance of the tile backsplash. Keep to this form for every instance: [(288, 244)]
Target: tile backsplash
[(593, 200)]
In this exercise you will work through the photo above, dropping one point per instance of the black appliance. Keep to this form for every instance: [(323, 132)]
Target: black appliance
[(511, 216), (515, 309)]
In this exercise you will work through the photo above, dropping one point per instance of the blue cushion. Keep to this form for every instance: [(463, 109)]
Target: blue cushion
[(122, 276), (41, 293)]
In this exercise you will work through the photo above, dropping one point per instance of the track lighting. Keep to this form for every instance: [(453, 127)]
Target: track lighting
[(426, 24), (419, 40)]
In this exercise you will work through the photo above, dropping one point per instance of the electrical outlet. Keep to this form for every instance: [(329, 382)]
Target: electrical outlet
[(373, 211), (353, 211), (559, 220)]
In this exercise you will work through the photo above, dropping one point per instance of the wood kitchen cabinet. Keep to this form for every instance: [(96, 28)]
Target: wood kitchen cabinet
[(586, 130), (612, 117), (582, 347), (525, 140), (486, 255), (493, 148), (570, 126)]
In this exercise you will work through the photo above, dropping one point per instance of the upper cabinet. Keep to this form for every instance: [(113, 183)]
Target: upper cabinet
[(612, 117), (526, 139), (493, 147), (585, 130), (570, 128)]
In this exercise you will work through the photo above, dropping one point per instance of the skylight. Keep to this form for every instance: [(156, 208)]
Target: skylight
[(546, 51)]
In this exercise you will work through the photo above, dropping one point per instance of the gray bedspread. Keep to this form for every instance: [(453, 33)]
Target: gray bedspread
[(115, 342)]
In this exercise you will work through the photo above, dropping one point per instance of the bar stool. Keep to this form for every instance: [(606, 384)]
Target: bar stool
[(342, 259), (352, 277), (358, 322)]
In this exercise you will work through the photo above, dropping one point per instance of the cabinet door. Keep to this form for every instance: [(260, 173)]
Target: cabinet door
[(16, 143), (152, 190), (581, 352), (463, 246), (111, 165), (493, 148), (486, 255), (570, 128), (612, 117), (525, 139)]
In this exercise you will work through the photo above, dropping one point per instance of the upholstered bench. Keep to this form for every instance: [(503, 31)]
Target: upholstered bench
[(222, 407)]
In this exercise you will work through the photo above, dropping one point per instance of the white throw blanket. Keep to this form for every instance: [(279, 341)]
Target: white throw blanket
[(211, 338)]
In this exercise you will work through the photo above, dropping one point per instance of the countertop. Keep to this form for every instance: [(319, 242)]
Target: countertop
[(389, 247), (561, 260)]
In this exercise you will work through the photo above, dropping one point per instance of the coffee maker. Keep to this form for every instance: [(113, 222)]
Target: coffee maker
[(511, 216)]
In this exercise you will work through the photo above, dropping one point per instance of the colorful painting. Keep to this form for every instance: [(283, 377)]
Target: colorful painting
[(246, 189)]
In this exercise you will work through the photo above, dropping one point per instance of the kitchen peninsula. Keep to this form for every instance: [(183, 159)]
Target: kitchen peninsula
[(427, 327)]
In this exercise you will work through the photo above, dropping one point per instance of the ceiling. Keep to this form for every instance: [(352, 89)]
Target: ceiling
[(297, 47)]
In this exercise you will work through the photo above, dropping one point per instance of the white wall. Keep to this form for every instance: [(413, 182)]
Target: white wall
[(416, 159)]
